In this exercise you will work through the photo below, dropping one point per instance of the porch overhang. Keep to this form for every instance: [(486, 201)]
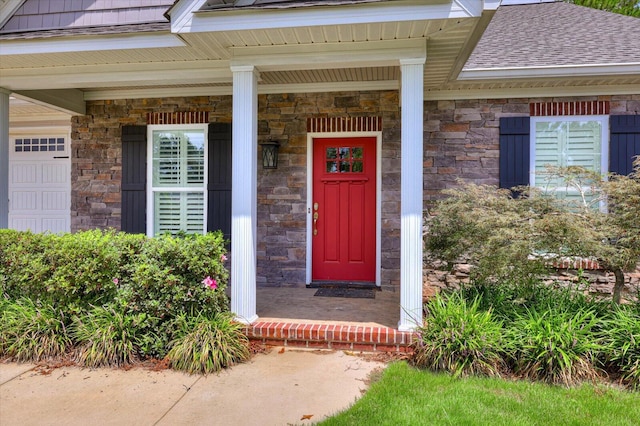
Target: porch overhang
[(189, 16), (418, 43)]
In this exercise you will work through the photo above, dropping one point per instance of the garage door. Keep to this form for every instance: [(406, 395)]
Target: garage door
[(40, 183)]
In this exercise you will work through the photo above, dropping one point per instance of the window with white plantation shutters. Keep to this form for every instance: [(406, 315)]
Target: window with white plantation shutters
[(177, 173), (563, 142)]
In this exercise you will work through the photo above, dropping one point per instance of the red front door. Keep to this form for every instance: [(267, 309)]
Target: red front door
[(344, 209)]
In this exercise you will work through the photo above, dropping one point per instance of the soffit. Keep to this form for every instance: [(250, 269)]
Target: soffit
[(445, 40)]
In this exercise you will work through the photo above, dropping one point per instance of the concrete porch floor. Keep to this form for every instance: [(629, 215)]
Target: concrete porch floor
[(299, 303)]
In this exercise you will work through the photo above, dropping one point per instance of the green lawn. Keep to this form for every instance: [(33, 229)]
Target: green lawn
[(406, 396)]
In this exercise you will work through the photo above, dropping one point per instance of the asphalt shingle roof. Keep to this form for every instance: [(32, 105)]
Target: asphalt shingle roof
[(552, 34)]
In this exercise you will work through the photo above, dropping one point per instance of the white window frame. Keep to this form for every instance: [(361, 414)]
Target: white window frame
[(150, 187), (604, 137)]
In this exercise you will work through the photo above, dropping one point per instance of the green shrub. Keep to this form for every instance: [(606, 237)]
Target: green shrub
[(208, 344), (511, 299), (106, 337), (32, 332), (166, 281), (555, 345), (459, 338), (622, 344), (69, 271), (23, 264)]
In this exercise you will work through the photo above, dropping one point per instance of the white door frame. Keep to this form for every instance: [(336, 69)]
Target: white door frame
[(310, 137)]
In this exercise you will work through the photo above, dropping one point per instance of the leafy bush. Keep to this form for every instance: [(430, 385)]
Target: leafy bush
[(511, 299), (167, 280), (32, 331), (507, 237), (459, 338), (167, 276), (69, 271), (622, 344), (106, 337), (208, 344), (556, 346)]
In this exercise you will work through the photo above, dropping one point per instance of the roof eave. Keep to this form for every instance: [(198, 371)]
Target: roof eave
[(595, 70), (186, 16)]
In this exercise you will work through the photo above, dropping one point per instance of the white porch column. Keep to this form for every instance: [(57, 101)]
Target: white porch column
[(412, 96), (4, 158), (244, 193)]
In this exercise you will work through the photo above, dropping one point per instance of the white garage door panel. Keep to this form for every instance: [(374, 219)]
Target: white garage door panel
[(24, 201), (24, 174), (55, 201), (23, 223), (40, 185), (57, 173)]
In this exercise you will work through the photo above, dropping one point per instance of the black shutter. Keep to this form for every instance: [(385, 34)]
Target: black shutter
[(219, 185), (134, 179), (514, 151), (624, 143)]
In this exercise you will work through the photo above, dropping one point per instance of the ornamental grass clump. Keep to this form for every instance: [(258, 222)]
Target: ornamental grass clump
[(622, 344), (106, 337), (32, 332), (555, 346), (208, 343), (459, 338)]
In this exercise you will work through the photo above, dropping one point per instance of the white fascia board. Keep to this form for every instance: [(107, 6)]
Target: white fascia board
[(550, 71), (520, 2), (346, 86), (116, 75), (261, 19), (531, 92), (330, 55), (7, 9), (491, 4), (90, 44), (69, 101)]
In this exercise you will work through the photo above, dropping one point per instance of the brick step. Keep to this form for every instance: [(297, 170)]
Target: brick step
[(342, 336)]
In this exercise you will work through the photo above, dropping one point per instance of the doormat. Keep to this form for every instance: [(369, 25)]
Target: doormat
[(354, 293)]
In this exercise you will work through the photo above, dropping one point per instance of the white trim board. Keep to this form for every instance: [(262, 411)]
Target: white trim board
[(588, 70), (310, 137), (344, 86), (89, 44), (189, 19), (150, 189), (530, 92)]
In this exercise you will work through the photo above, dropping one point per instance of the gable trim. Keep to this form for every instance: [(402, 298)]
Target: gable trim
[(187, 18), (8, 9)]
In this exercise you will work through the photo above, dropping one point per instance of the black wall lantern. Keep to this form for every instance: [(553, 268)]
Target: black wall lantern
[(270, 154)]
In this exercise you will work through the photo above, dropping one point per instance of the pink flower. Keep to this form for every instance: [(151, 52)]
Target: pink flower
[(116, 281), (210, 283), (223, 258)]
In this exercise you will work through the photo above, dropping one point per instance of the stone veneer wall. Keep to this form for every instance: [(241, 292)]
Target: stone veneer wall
[(462, 137), (96, 152), (462, 141), (97, 159), (282, 193)]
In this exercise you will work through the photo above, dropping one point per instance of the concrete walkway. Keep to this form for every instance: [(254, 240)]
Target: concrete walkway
[(277, 388)]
